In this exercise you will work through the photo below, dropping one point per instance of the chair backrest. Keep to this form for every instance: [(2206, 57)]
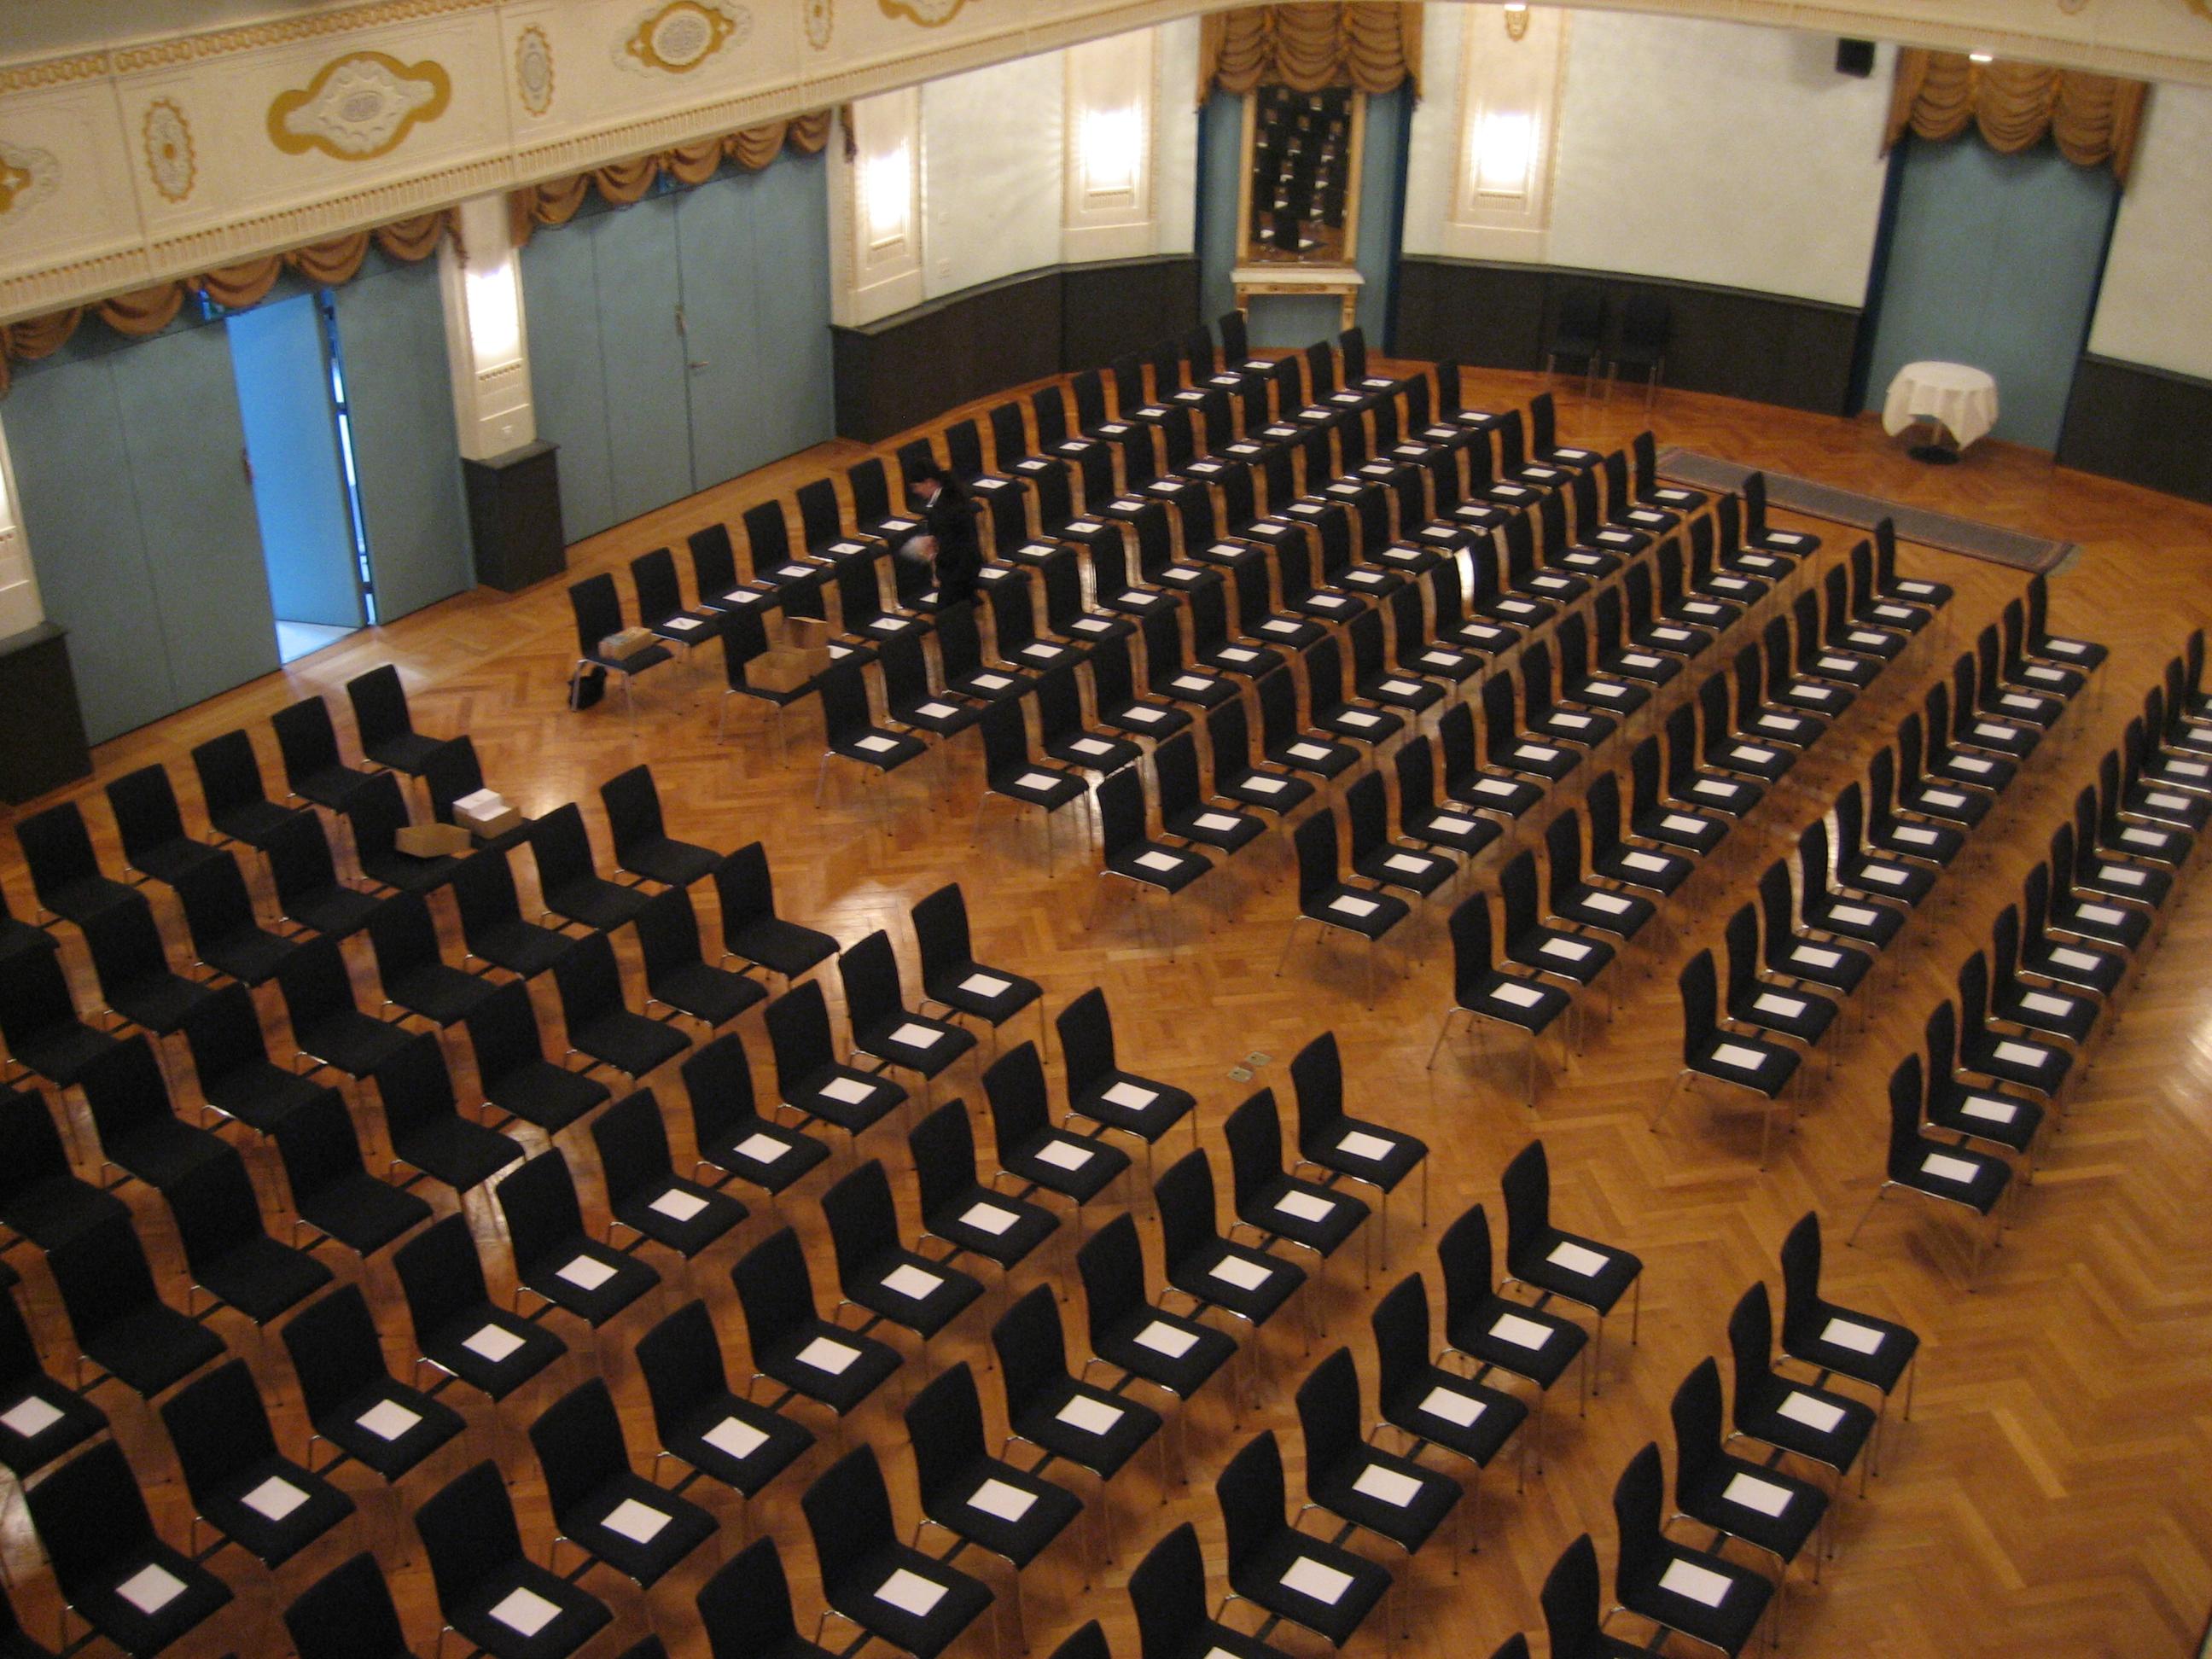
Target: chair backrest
[(89, 1513), (1517, 894), (668, 933), (773, 1289), (1328, 1415), (579, 1442), (305, 737), (1111, 1263), (347, 1615), (588, 980), (713, 560), (1637, 1496), (468, 1533), (681, 1364), (1250, 1490), (1367, 811), (35, 1153), (632, 1141), (538, 1200), (1255, 1133), (943, 1147), (215, 1209), (1472, 959), (1121, 813), (58, 848), (1741, 936), (1401, 1324), (1315, 840), (1700, 993), (1167, 1590), (1751, 1341), (798, 1033), (1803, 1309), (869, 972), (440, 1274), (945, 1427), (220, 1429), (1031, 1347), (146, 811), (849, 1514), (844, 697), (317, 1143), (334, 1349), (1184, 1194), (123, 1088), (745, 1609), (102, 1275), (863, 1222), (125, 944), (1318, 1081), (659, 596), (1528, 1184), (1697, 1411), (1464, 1254), (1570, 1600), (632, 808)]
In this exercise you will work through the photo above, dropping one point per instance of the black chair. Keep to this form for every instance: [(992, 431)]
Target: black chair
[(1077, 1167), (1767, 1508), (555, 1258), (17, 935), (1840, 1341), (883, 1026), (952, 978), (1746, 1062), (114, 1570), (1168, 1591), (451, 775), (751, 930), (599, 1502), (308, 743), (1577, 330), (892, 1591), (1947, 1171), (237, 801), (1482, 990), (598, 609), (877, 1272), (642, 844), (120, 1321), (492, 923), (1097, 1089), (850, 735), (1013, 1513), (745, 1609), (219, 915), (240, 1485), (383, 723), (1215, 1272), (810, 1080), (971, 1216), (41, 1419), (1700, 1594), (727, 1128), (347, 1615), (354, 1403), (1570, 1599), (644, 1192), (1815, 1424), (1563, 1265), (1139, 1337), (698, 1420), (332, 1191), (457, 1328), (678, 975), (1493, 1331), (489, 1592), (1374, 1491), (1324, 899), (423, 1121), (139, 1130), (512, 1068), (1287, 1574), (660, 602), (1276, 1205), (602, 1027), (153, 827), (1647, 328), (309, 892), (572, 888), (1348, 1148), (792, 1344), (415, 977), (41, 1198), (227, 1252), (38, 1020), (1433, 1406), (132, 966), (377, 812)]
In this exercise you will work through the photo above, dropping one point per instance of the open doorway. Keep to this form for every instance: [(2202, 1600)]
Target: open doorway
[(299, 461)]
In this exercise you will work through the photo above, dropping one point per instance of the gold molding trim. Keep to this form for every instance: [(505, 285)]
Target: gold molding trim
[(930, 14), (56, 72), (218, 43), (172, 161), (359, 106)]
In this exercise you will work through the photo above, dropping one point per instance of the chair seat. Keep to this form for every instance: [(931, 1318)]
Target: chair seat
[(1345, 1588), (1524, 1340), (588, 1279), (909, 1289), (253, 822), (148, 1348), (1077, 1167), (1984, 1114), (361, 1212), (1448, 828), (983, 992), (1621, 914), (712, 995), (1796, 1014), (1851, 1344), (491, 1350), (1934, 843), (631, 1043), (457, 1150), (390, 1427), (1251, 1283), (161, 1151), (262, 1278), (1394, 1498), (636, 1528), (864, 1597), (317, 1507), (681, 1215), (1166, 1350), (251, 956), (1528, 1002), (1311, 1216), (1406, 868), (2062, 1013), (596, 903), (1554, 950), (1469, 1418), (741, 1444), (1358, 910), (403, 752), (1508, 797), (2075, 962), (1094, 752), (1579, 1270), (577, 1616), (1848, 918), (62, 1055), (846, 1095), (551, 1097), (781, 947), (992, 1224), (1041, 785), (1641, 867), (2020, 1061), (1750, 1062), (1950, 806), (1019, 1539), (915, 1042), (834, 1366), (1229, 832), (339, 912), (200, 1593), (406, 874), (1676, 1593), (1808, 1422), (438, 991), (160, 1003)]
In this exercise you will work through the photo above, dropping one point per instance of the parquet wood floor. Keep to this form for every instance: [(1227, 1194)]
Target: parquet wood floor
[(2049, 1494)]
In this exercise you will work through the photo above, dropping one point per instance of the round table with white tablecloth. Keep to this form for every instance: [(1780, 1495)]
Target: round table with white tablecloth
[(1957, 396)]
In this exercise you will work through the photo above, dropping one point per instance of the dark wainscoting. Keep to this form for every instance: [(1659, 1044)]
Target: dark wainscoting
[(2143, 426), (1769, 347), (909, 368)]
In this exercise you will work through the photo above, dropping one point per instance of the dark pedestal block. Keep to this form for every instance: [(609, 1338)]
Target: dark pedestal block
[(514, 517), (42, 743)]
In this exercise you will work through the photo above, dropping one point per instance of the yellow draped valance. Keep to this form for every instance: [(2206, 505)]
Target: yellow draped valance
[(2094, 120), (1372, 46), (151, 310), (622, 183)]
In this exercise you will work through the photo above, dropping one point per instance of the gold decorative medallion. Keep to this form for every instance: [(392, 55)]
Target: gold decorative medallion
[(819, 19), (1517, 21), (533, 70), (170, 161), (359, 107), (27, 176), (930, 14), (676, 37)]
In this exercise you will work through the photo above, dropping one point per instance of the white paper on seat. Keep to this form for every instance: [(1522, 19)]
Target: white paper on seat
[(1008, 1502), (848, 1090), (1683, 825), (1990, 1108), (2122, 877), (2105, 914), (388, 1419), (1944, 797), (1520, 995), (1567, 949), (1769, 1002), (2036, 670), (1161, 861), (1162, 1337), (937, 711), (1063, 1154), (992, 1218), (1265, 785), (1713, 789), (1091, 625), (825, 1355), (1359, 1143), (1401, 688), (736, 1439), (1496, 787), (2081, 961), (1887, 874), (1305, 1207), (1608, 904), (1753, 1494), (1407, 864), (1309, 751), (1639, 659), (1847, 1333), (1605, 689), (494, 1343), (847, 547), (910, 1592), (2040, 1002), (1221, 823), (1036, 780), (525, 1611), (1142, 714), (2014, 700), (1972, 763), (1522, 1333), (586, 1273), (2143, 837), (1998, 733), (1802, 1408), (911, 1282), (1241, 1271), (1129, 1096), (1091, 746), (2166, 803), (1815, 956), (1687, 1578), (1237, 653), (1946, 1168), (1092, 1416), (1753, 752), (798, 572), (1278, 625), (1837, 665), (1537, 751), (986, 985), (1572, 722), (1441, 658), (1735, 1054), (151, 1588), (639, 1522), (1578, 1258), (1917, 834), (275, 1498), (1899, 613), (30, 1416), (1447, 823), (1350, 906), (1387, 1486), (1454, 1406), (678, 1204), (875, 743), (1360, 717), (1857, 914), (912, 1035), (1318, 1579), (1190, 683), (1863, 636), (2018, 1054), (992, 682), (1818, 693)]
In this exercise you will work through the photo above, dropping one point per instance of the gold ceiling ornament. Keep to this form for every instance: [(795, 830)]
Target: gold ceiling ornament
[(170, 161), (820, 19), (27, 176), (359, 106), (533, 70), (676, 38), (930, 14)]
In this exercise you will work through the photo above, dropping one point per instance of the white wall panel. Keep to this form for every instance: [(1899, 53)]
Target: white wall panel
[(2157, 294), (1174, 136), (991, 164)]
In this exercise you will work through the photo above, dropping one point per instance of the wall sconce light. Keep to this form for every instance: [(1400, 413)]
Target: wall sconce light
[(1980, 58), (1112, 145), (494, 320), (887, 188)]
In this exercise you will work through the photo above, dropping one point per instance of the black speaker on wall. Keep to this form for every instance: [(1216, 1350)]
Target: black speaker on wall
[(1855, 58)]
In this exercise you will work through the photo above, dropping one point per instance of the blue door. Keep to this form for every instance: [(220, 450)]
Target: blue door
[(1994, 260), (642, 354)]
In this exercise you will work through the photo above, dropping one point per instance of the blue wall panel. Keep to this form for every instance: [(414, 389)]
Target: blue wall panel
[(641, 354), (789, 260), (392, 332), (1220, 162), (561, 309), (283, 370), (722, 394)]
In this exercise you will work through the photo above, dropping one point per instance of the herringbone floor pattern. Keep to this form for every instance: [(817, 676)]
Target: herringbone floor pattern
[(2049, 1495)]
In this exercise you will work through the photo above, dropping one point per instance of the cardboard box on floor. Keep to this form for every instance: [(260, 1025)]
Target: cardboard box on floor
[(430, 841), (797, 652)]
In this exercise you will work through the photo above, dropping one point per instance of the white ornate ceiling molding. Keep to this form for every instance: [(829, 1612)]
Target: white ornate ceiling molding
[(141, 162)]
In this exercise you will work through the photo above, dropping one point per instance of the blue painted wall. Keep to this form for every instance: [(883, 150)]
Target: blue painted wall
[(281, 369), (1994, 260)]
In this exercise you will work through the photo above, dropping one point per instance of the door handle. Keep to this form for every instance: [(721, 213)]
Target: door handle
[(680, 327), (696, 362), (246, 465)]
